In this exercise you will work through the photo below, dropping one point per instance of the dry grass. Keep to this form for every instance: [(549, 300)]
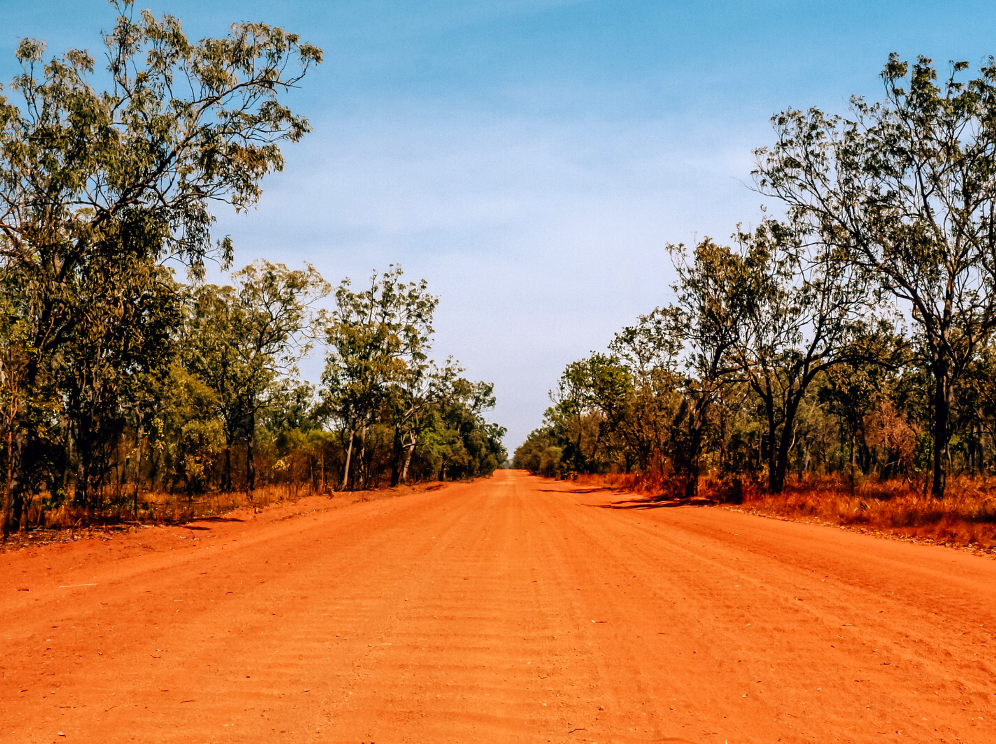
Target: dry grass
[(965, 517), (159, 508), (66, 522)]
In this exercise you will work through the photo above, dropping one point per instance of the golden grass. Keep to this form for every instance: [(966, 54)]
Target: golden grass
[(965, 517), (48, 523), (155, 507)]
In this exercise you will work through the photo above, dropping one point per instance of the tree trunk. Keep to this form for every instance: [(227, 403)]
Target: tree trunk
[(349, 458), (81, 494), (776, 478), (696, 427), (396, 453), (226, 473), (138, 468), (942, 417), (785, 442), (782, 452), (773, 486), (362, 473), (6, 492), (853, 459), (408, 459), (250, 456)]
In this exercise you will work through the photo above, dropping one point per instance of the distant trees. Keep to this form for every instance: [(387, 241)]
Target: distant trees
[(379, 380), (793, 335), (193, 389), (241, 339), (378, 340)]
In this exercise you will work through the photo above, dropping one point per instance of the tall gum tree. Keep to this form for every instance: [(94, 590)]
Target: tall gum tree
[(377, 340), (242, 339), (905, 189), (801, 311), (704, 322), (88, 173)]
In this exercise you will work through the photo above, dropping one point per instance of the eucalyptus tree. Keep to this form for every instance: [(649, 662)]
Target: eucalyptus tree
[(240, 340), (460, 440), (210, 334), (976, 407), (648, 351), (801, 310), (574, 417), (704, 324), (14, 355), (126, 315), (131, 171), (852, 391), (905, 191), (419, 390), (185, 433), (375, 338)]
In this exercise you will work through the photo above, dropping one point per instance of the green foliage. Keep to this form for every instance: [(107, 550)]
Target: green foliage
[(97, 189), (115, 377), (903, 192), (792, 342), (241, 339), (185, 434)]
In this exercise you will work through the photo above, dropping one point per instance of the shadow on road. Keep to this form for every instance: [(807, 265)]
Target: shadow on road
[(193, 525), (656, 503), (650, 502), (595, 489)]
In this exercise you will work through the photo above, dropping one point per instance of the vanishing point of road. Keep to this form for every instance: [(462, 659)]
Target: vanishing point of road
[(512, 609)]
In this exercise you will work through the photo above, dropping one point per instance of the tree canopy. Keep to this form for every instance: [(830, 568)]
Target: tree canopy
[(117, 377), (889, 219)]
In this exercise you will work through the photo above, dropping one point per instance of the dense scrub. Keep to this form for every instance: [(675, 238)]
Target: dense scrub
[(119, 383), (850, 341)]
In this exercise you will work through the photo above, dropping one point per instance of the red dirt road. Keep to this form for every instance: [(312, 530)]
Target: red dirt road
[(508, 610)]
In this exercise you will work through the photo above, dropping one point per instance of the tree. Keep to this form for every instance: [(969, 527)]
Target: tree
[(800, 315), (706, 320), (377, 343), (241, 339), (460, 442), (575, 416), (14, 356), (127, 313), (96, 176), (421, 388), (185, 432), (905, 191)]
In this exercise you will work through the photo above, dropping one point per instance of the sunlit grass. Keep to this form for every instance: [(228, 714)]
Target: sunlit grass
[(158, 507), (965, 517)]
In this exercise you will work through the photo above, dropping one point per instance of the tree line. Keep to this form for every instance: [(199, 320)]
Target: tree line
[(115, 378), (851, 334)]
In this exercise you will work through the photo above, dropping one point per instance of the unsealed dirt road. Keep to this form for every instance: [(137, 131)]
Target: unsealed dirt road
[(508, 610)]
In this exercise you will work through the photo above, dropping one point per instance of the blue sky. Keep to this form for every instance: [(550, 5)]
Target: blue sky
[(531, 158)]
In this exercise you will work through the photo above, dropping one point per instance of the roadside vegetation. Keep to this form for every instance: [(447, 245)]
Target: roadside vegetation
[(835, 360), (123, 388)]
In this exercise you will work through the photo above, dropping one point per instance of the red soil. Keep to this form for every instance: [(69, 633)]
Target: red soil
[(507, 610)]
